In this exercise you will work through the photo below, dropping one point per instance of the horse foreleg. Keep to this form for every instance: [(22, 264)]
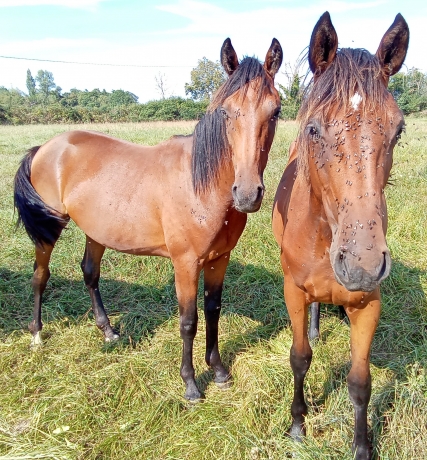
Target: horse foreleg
[(186, 279), (40, 278), (300, 355), (214, 273), (313, 331), (363, 325), (91, 270)]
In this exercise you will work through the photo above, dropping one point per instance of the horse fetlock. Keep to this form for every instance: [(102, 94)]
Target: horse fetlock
[(35, 327), (299, 410), (362, 452), (313, 336)]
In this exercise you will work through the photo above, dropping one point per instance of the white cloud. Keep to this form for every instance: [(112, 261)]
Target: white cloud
[(202, 34)]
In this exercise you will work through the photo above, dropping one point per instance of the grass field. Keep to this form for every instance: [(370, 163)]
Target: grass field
[(78, 398)]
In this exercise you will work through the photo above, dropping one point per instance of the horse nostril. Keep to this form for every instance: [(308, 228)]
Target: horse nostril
[(234, 189), (383, 267)]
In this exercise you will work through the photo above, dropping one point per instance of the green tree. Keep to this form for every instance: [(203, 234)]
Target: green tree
[(291, 93), (409, 90), (206, 78), (31, 84), (46, 83), (121, 97)]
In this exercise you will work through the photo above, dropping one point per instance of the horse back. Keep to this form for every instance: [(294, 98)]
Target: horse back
[(114, 190)]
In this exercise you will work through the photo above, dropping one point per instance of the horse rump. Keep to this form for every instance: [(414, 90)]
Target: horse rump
[(42, 223)]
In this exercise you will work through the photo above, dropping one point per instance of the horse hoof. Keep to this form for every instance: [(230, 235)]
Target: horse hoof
[(36, 340), (224, 385), (112, 337), (193, 402), (296, 432), (193, 395), (223, 382)]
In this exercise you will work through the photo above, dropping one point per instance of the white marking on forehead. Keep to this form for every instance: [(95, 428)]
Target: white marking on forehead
[(355, 100)]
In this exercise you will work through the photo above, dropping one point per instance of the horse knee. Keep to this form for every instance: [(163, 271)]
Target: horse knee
[(359, 388), (188, 328), (300, 361)]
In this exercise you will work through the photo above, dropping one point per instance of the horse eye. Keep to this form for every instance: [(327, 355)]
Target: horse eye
[(276, 115), (223, 113), (312, 131), (399, 134)]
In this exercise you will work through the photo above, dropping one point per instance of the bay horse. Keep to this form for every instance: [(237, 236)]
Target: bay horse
[(329, 214), (186, 198)]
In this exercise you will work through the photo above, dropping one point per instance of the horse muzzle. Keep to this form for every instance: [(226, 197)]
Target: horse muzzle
[(248, 201), (360, 273)]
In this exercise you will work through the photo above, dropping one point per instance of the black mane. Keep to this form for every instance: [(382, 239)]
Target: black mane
[(210, 143)]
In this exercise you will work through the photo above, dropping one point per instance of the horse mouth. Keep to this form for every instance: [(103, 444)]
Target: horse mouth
[(248, 207), (357, 278)]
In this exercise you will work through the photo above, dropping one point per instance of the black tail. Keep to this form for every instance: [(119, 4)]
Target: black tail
[(42, 223)]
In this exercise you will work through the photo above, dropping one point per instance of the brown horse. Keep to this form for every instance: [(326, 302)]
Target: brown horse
[(330, 215), (185, 199)]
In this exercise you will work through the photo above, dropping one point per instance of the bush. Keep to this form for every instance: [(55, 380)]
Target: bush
[(410, 90), (28, 112)]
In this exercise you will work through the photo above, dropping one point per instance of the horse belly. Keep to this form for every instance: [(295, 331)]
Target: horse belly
[(127, 224)]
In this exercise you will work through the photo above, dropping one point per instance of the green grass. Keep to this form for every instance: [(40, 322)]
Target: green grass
[(78, 398)]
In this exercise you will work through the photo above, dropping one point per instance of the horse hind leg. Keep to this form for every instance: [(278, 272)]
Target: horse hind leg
[(40, 278), (313, 331), (91, 271), (314, 326)]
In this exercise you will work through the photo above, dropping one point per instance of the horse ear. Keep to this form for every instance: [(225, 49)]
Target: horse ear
[(274, 58), (393, 47), (323, 45), (229, 57)]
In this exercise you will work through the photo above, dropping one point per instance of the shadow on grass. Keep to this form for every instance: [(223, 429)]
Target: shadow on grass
[(137, 310), (249, 291)]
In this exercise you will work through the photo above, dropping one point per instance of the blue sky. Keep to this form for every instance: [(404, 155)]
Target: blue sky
[(169, 36)]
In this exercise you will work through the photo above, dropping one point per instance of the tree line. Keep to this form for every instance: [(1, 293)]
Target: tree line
[(45, 102)]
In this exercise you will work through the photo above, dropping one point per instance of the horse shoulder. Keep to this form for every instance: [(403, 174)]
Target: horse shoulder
[(283, 196)]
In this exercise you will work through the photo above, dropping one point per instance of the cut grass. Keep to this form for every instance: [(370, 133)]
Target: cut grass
[(78, 398)]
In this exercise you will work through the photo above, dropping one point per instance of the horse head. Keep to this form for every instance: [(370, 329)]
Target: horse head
[(250, 106), (350, 125)]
